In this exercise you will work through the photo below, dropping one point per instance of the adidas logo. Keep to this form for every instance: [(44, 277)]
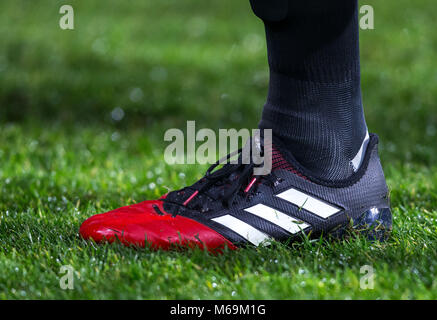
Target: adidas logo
[(282, 220)]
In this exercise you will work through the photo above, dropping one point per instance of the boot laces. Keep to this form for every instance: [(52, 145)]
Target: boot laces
[(236, 178)]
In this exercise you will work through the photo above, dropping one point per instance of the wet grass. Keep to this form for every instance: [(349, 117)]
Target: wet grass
[(63, 157)]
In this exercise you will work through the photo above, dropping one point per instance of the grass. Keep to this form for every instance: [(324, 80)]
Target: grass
[(63, 158)]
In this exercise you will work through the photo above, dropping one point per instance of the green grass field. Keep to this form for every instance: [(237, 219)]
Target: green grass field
[(63, 158)]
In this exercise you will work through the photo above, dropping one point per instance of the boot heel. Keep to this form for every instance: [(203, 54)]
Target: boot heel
[(375, 224)]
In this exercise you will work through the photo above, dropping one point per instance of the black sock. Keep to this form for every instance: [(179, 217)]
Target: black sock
[(314, 102)]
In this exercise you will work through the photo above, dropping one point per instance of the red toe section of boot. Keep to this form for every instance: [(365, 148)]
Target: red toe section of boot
[(160, 231), (149, 207)]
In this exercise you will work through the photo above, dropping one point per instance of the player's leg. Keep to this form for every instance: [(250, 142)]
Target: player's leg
[(325, 167), (314, 102)]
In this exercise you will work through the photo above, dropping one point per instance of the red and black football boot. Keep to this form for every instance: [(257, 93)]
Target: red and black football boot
[(230, 207)]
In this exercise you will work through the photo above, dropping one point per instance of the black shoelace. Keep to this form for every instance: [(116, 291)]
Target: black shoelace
[(232, 176)]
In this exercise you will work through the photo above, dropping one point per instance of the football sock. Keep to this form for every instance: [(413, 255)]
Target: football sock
[(314, 104)]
